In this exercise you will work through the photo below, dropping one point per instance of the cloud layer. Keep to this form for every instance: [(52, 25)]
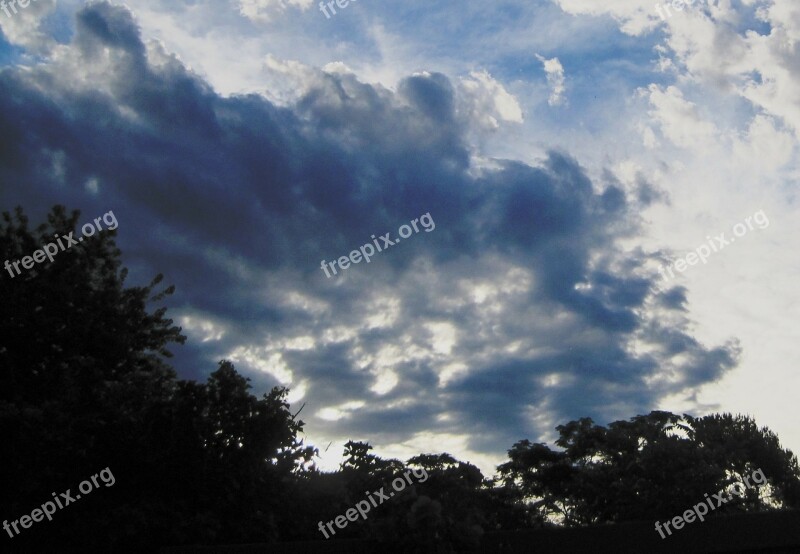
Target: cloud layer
[(524, 308)]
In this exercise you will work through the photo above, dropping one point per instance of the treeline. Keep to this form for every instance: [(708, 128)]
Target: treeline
[(84, 385)]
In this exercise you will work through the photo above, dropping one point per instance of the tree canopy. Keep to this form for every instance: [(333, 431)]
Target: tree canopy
[(651, 466)]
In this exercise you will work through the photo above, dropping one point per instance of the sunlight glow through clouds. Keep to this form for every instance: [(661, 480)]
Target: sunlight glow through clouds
[(335, 413), (204, 327), (261, 359)]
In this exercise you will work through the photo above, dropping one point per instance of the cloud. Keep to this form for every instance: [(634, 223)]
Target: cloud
[(522, 308), (27, 26), (679, 119), (555, 78), (749, 48), (635, 16), (487, 102), (265, 10)]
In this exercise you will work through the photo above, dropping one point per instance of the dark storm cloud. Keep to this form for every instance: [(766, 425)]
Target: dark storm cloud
[(237, 200)]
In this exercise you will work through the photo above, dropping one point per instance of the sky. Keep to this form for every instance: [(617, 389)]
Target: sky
[(600, 200)]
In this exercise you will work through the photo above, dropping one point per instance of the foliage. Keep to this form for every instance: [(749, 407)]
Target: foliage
[(85, 386), (650, 467)]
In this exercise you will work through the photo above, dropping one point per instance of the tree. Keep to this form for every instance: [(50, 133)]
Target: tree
[(89, 329), (85, 385), (650, 467), (79, 356)]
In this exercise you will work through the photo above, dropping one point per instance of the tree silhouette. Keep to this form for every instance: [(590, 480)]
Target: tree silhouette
[(85, 386), (80, 356), (650, 467)]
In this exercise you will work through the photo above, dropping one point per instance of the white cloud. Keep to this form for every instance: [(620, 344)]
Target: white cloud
[(635, 16), (335, 413), (555, 78), (486, 101), (710, 46), (679, 119), (25, 27), (763, 146), (265, 10)]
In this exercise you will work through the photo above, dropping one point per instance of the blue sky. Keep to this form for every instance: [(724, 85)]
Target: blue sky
[(563, 148)]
